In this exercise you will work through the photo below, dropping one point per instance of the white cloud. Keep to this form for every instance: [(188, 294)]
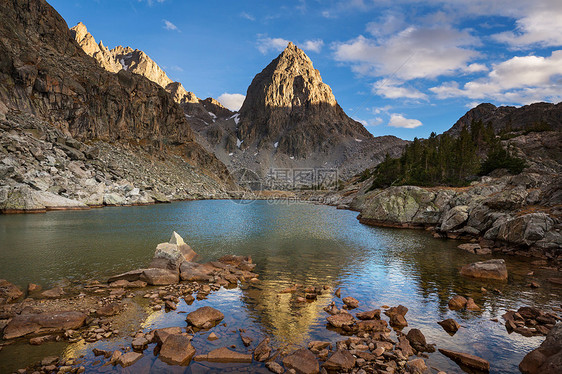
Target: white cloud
[(475, 68), (313, 45), (169, 25), (247, 16), (540, 25), (398, 120), (266, 44), (370, 122), (232, 101), (521, 80), (411, 53), (392, 89)]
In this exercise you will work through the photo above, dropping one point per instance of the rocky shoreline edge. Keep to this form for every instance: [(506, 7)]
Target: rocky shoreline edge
[(367, 345)]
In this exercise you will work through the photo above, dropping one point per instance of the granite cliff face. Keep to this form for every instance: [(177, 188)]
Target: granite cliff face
[(128, 59), (45, 73)]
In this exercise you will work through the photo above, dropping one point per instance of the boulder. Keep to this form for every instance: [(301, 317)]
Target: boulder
[(457, 302), (204, 317), (191, 271), (417, 366), (340, 361), (526, 229), (109, 310), (454, 218), (159, 277), (113, 199), (491, 269), (351, 302), (131, 276), (9, 291), (340, 320), (466, 359), (175, 251), (53, 293), (302, 361), (129, 358), (371, 314), (471, 305), (398, 321), (417, 340), (450, 325), (224, 355), (547, 358), (262, 351), (177, 350), (375, 325), (43, 323), (402, 206), (160, 335)]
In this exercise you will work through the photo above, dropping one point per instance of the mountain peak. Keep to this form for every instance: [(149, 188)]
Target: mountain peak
[(288, 104)]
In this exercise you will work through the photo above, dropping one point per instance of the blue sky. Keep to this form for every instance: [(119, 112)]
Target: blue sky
[(403, 68)]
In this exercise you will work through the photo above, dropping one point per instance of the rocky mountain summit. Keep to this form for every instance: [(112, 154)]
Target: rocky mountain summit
[(128, 59), (537, 116), (46, 75), (291, 119)]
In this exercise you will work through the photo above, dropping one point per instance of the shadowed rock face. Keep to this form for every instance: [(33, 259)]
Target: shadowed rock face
[(511, 118), (43, 71)]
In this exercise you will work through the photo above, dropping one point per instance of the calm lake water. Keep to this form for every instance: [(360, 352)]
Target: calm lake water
[(291, 243)]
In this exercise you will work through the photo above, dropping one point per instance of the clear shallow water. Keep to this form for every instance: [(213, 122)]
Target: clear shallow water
[(299, 243)]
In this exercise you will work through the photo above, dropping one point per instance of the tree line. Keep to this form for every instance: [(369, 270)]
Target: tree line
[(445, 160)]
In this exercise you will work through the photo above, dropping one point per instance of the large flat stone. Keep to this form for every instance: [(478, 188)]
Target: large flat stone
[(466, 359), (204, 317), (43, 323), (177, 350)]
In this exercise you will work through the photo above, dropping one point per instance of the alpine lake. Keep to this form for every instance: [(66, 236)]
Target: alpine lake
[(313, 245)]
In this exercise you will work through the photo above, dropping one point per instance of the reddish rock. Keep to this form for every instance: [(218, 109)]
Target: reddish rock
[(351, 302), (109, 310), (159, 277), (466, 359), (32, 287), (262, 351), (9, 292), (471, 305), (129, 358), (371, 314), (177, 350), (417, 366), (43, 323), (302, 361), (396, 310), (547, 358), (450, 325), (224, 355), (316, 346), (457, 302), (398, 321), (491, 269), (53, 293), (375, 325), (340, 361), (404, 345), (204, 317), (340, 320), (160, 335)]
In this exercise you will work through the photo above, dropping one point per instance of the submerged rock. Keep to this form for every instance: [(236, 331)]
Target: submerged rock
[(204, 317), (177, 350), (224, 355), (43, 323), (262, 351), (491, 269), (457, 302), (466, 359), (302, 361)]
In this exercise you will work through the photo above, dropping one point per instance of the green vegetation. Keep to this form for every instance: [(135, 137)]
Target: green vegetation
[(445, 160)]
